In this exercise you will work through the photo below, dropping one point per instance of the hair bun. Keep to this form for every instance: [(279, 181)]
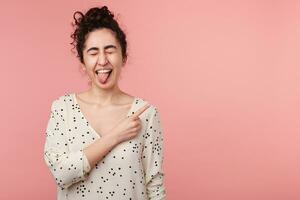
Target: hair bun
[(96, 14)]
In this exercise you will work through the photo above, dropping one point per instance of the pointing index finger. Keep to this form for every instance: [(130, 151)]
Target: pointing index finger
[(140, 111)]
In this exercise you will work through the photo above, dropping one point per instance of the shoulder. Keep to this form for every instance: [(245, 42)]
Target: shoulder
[(151, 111), (60, 102), (151, 116)]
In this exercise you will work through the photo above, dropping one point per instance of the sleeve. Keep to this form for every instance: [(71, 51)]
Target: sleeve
[(152, 158), (67, 167)]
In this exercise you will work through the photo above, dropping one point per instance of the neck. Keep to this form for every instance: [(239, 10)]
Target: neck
[(105, 96)]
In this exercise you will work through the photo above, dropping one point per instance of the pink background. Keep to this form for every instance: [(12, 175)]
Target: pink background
[(224, 75)]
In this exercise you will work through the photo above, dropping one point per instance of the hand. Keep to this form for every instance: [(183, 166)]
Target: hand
[(128, 127)]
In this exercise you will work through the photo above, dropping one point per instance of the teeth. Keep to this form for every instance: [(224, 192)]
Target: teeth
[(103, 71)]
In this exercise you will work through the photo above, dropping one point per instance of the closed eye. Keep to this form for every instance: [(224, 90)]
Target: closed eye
[(93, 54)]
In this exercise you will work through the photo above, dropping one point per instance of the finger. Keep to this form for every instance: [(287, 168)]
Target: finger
[(140, 111)]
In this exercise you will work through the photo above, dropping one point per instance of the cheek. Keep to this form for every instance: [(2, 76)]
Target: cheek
[(116, 72), (90, 62), (116, 59)]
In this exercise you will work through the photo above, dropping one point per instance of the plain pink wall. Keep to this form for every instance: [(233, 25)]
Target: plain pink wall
[(224, 74)]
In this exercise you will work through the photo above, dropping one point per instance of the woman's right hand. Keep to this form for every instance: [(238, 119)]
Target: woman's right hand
[(128, 127)]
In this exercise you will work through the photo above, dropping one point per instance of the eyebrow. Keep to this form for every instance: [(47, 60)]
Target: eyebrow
[(106, 47)]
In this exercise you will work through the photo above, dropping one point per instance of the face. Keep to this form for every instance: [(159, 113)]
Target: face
[(102, 51)]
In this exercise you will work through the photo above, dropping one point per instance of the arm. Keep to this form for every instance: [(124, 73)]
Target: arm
[(98, 149), (153, 158), (67, 167)]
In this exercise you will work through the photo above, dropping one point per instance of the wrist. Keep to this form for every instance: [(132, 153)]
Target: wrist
[(111, 139)]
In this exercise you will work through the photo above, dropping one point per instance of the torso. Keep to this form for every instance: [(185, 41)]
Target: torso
[(102, 119)]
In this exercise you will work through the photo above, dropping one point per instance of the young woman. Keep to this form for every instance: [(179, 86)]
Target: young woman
[(104, 143)]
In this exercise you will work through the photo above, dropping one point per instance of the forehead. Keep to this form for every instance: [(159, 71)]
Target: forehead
[(100, 38)]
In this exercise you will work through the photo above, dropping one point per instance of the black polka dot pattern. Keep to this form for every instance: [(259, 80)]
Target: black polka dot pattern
[(131, 170), (153, 154)]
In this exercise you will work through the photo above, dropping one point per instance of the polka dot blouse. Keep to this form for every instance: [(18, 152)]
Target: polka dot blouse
[(132, 170)]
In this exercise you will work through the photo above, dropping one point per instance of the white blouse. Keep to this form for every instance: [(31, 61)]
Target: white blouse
[(132, 170)]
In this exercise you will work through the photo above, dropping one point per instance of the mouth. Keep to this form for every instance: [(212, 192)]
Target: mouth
[(103, 74), (103, 71)]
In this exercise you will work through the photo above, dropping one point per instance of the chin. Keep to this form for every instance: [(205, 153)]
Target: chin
[(108, 85)]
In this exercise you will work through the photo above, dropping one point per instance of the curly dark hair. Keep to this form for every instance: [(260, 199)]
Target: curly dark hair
[(96, 18)]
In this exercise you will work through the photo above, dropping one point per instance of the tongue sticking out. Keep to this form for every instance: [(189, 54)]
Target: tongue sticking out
[(103, 77)]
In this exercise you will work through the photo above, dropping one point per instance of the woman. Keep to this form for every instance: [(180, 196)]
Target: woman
[(104, 143)]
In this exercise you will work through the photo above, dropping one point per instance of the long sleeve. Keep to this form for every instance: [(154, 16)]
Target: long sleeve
[(67, 167), (152, 159)]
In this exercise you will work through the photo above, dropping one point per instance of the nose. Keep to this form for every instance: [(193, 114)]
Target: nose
[(102, 59)]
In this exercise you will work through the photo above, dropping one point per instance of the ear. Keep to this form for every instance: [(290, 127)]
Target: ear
[(82, 68), (124, 61)]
